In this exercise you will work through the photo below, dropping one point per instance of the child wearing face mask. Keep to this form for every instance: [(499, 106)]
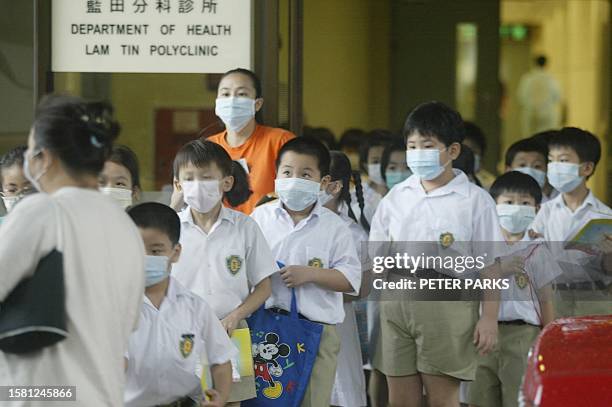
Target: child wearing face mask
[(120, 177), (530, 157), (349, 386), (175, 328), (427, 343), (13, 184), (526, 306), (255, 146), (573, 155), (226, 259), (393, 164), (318, 251)]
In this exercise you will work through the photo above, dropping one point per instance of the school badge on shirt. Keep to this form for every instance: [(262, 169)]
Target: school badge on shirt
[(315, 262), (186, 344), (447, 239), (233, 263), (521, 280)]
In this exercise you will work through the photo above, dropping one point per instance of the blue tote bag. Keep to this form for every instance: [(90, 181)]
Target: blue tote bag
[(284, 351)]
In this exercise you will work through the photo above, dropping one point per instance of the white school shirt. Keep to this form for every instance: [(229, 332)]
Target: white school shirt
[(322, 239), (223, 265), (162, 366), (409, 214), (555, 221), (522, 303), (104, 281)]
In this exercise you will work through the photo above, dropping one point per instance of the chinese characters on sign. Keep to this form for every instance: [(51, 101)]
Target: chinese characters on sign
[(197, 36)]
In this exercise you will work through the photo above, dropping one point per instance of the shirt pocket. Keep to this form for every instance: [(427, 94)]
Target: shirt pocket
[(316, 257), (231, 263)]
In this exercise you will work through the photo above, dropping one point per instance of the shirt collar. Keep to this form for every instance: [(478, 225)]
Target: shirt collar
[(174, 292), (280, 211), (590, 200), (459, 184), (225, 214)]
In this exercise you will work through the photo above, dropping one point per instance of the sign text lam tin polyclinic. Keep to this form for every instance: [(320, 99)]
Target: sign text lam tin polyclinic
[(197, 36)]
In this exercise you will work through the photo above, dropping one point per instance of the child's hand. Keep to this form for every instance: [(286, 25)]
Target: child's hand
[(215, 399), (512, 265), (606, 244), (176, 200), (534, 235), (230, 322), (295, 276), (485, 335)]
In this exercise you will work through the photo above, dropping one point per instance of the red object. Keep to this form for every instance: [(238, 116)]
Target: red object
[(570, 364)]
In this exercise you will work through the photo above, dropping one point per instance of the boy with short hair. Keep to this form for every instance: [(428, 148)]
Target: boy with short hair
[(317, 249), (176, 326), (423, 342), (526, 306), (530, 157), (13, 183), (573, 155)]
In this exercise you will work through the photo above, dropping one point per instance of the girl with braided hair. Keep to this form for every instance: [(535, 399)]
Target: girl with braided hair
[(349, 386)]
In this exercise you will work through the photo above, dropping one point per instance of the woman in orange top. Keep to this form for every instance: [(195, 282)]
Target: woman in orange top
[(254, 145)]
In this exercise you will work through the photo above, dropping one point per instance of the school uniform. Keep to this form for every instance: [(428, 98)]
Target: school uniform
[(222, 267), (583, 288), (164, 354), (320, 240), (423, 336), (349, 386), (103, 256), (498, 375)]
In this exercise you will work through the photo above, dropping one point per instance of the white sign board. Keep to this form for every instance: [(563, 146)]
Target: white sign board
[(189, 36)]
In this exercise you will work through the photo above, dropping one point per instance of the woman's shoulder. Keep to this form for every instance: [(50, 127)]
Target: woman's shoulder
[(275, 134)]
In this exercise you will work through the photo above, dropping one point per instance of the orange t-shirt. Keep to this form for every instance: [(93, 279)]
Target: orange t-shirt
[(260, 152)]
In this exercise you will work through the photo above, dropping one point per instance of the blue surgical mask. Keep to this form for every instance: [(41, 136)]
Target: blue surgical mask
[(235, 112), (425, 163), (539, 176), (515, 218), (156, 269), (395, 177), (324, 197), (297, 193), (564, 177)]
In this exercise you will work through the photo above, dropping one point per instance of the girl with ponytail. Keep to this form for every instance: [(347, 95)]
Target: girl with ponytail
[(349, 386)]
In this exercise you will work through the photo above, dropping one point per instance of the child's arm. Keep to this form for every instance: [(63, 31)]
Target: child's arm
[(485, 333), (222, 382), (254, 300), (547, 311), (330, 279)]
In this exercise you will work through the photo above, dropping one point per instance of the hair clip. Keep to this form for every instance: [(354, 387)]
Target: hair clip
[(95, 142)]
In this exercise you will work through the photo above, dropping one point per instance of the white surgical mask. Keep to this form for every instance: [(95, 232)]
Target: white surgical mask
[(425, 163), (201, 195), (515, 218), (395, 177), (564, 177), (156, 269), (539, 176), (235, 112), (29, 176), (297, 193), (324, 197), (121, 195), (10, 201), (374, 174)]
